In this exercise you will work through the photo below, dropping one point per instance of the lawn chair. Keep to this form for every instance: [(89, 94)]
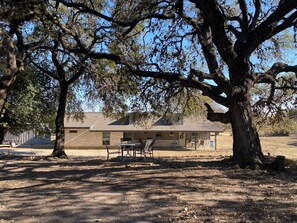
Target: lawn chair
[(148, 149), (109, 151)]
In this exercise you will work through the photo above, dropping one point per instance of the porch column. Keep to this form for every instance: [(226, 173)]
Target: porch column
[(215, 141), (196, 138)]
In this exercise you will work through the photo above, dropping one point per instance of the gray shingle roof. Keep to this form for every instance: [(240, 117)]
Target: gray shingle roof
[(87, 122), (98, 122)]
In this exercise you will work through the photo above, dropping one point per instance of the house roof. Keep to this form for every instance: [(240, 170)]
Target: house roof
[(89, 120), (98, 122)]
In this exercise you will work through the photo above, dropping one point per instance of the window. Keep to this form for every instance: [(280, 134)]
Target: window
[(159, 134), (194, 137), (106, 138), (194, 134), (72, 131)]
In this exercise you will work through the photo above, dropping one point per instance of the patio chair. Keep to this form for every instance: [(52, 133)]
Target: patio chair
[(202, 142), (148, 149), (111, 151), (125, 139)]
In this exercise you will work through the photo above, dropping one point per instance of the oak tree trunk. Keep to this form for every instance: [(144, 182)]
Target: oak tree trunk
[(3, 128), (59, 150), (246, 143), (3, 131), (11, 71)]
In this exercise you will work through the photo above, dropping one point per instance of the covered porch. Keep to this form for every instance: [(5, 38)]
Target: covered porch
[(176, 139)]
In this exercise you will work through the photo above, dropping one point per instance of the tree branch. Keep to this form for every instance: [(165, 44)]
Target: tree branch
[(209, 52), (253, 23), (234, 31), (270, 26), (128, 23), (288, 22), (76, 75), (55, 59), (42, 69), (215, 19), (207, 89), (277, 68), (244, 11)]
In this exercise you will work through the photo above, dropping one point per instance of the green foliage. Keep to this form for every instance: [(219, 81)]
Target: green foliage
[(292, 113), (195, 105), (108, 84), (30, 104)]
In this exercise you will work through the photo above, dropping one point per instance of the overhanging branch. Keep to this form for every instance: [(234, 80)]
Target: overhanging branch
[(244, 12), (277, 68), (216, 20), (257, 4), (207, 89), (42, 69), (273, 24), (130, 24)]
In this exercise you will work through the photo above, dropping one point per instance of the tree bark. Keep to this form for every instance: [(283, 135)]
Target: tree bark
[(246, 143), (3, 128), (59, 150), (12, 69), (3, 131)]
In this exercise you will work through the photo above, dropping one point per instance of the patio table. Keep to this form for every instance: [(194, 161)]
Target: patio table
[(128, 147)]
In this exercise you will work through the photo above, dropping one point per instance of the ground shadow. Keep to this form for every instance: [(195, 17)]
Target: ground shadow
[(294, 143), (183, 149), (88, 189)]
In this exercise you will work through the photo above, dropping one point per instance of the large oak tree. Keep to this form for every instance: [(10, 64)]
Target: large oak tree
[(80, 77), (14, 17), (222, 48)]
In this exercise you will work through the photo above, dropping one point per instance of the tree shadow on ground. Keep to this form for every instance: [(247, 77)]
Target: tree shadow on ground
[(294, 143), (80, 190)]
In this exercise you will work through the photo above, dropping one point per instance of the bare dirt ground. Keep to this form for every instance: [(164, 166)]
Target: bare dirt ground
[(179, 186)]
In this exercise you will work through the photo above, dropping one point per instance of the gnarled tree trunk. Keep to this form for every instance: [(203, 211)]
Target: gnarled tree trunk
[(12, 67), (246, 143)]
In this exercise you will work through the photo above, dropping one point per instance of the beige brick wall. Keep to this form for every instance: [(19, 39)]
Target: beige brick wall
[(84, 139)]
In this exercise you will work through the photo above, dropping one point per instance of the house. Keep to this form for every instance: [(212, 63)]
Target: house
[(95, 129)]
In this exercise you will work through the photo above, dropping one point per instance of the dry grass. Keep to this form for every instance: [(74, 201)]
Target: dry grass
[(183, 186), (286, 146), (281, 145)]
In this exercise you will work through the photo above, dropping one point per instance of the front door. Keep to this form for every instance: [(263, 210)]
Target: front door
[(182, 139)]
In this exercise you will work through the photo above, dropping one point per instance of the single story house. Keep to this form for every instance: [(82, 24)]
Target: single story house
[(95, 128)]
